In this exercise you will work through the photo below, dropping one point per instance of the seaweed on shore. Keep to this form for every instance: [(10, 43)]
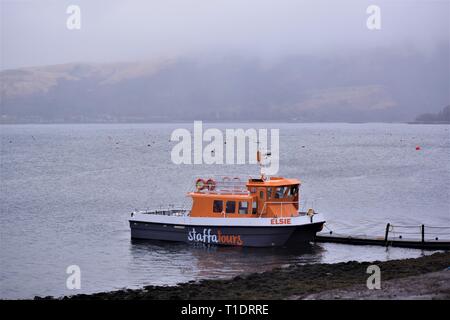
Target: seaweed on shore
[(280, 283)]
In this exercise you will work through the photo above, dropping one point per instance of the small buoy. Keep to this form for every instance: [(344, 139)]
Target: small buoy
[(400, 237), (417, 147)]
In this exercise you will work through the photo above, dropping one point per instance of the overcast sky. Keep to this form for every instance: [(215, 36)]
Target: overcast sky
[(34, 32)]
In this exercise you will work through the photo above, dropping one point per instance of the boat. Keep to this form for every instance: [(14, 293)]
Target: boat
[(232, 211)]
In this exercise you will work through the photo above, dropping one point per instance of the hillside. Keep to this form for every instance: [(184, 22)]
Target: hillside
[(370, 86)]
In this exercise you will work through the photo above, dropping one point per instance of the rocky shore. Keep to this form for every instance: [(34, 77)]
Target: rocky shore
[(425, 277)]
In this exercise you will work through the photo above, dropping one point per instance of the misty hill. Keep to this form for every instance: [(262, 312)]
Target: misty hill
[(440, 117), (370, 86)]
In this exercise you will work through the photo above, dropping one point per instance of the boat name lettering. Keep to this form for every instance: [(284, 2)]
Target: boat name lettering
[(280, 221)]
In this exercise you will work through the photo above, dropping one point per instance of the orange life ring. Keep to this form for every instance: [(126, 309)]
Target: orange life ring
[(200, 184), (211, 184)]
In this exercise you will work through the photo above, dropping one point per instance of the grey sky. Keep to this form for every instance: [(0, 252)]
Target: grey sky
[(35, 33)]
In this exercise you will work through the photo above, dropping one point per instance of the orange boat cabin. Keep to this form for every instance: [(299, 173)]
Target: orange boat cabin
[(274, 197)]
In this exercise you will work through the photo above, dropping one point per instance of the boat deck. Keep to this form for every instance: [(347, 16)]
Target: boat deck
[(185, 212)]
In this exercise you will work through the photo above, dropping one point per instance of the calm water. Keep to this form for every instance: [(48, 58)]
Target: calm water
[(67, 190)]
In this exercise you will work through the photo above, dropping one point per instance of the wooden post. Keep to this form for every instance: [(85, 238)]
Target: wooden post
[(423, 233), (386, 235)]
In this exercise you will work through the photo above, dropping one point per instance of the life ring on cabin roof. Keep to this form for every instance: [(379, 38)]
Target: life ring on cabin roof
[(200, 184), (210, 184)]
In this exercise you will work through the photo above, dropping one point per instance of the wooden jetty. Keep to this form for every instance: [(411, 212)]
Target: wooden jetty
[(418, 237)]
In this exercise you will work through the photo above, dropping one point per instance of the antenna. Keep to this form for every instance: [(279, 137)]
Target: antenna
[(259, 159)]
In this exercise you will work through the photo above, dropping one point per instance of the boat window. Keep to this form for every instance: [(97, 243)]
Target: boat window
[(253, 190), (218, 206), (294, 190), (243, 207), (287, 192), (231, 206), (261, 194), (269, 193), (254, 207), (279, 193)]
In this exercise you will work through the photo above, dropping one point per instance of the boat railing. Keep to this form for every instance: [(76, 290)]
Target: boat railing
[(225, 184), (167, 211)]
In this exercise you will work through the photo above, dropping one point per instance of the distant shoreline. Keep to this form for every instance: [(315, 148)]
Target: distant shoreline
[(429, 122), (225, 121), (295, 282)]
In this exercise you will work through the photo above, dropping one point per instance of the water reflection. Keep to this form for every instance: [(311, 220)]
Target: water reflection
[(180, 262)]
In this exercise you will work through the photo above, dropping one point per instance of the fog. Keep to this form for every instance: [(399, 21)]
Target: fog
[(223, 60), (34, 32)]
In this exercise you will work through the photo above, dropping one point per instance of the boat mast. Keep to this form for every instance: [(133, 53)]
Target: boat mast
[(259, 161)]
